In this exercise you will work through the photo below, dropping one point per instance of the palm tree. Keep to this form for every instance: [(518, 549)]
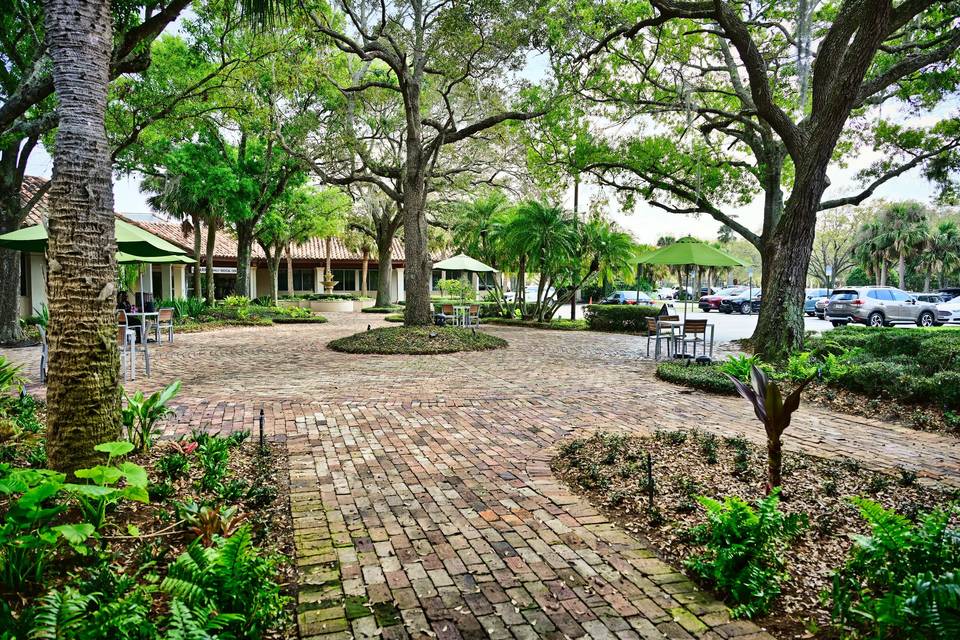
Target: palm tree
[(170, 196), (905, 225), (544, 236), (944, 248), (479, 231), (871, 250), (83, 394)]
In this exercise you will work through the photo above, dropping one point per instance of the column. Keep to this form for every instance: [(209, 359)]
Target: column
[(179, 281), (252, 294), (166, 281), (318, 279), (38, 281)]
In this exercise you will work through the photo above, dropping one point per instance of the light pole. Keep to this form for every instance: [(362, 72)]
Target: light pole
[(829, 271)]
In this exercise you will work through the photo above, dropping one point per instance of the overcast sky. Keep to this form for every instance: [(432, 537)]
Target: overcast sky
[(646, 223)]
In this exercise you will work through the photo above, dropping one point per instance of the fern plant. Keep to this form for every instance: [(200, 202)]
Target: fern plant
[(903, 580), (739, 366), (743, 557), (232, 581)]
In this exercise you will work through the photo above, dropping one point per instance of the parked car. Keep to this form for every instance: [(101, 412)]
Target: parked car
[(627, 297), (934, 298), (948, 293), (820, 308), (810, 300), (665, 293), (741, 302), (879, 306), (949, 311), (711, 302)]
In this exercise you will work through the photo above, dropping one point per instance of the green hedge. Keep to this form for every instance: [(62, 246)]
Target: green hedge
[(705, 377), (911, 364), (558, 325), (628, 318), (394, 308)]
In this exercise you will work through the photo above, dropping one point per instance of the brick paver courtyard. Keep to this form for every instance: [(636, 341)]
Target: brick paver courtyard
[(421, 493)]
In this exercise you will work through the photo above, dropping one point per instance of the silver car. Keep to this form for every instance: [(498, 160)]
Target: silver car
[(878, 307)]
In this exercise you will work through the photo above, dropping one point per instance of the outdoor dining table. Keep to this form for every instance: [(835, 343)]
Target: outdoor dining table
[(143, 316), (677, 325)]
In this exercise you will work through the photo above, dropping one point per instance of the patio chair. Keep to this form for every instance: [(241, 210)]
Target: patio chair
[(44, 353), (448, 314), (473, 315), (164, 322), (657, 333), (125, 342), (694, 332), (129, 337)]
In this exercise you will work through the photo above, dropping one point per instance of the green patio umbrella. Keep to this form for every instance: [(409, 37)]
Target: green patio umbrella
[(689, 252), (131, 239), (463, 262), (127, 258)]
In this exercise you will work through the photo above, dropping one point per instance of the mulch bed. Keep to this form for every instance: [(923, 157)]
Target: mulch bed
[(162, 536), (417, 341), (610, 470)]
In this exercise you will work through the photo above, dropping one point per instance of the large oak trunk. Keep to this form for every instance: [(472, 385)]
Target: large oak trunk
[(10, 220), (417, 264), (244, 250), (83, 393), (211, 246), (786, 258), (384, 271)]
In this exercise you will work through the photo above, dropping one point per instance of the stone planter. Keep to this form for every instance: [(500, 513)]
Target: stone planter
[(363, 304), (331, 306)]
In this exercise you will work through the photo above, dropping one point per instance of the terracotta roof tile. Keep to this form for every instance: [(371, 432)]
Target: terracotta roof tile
[(225, 244)]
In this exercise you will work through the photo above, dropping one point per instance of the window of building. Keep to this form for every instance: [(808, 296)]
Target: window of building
[(24, 272), (373, 279), (303, 280), (346, 279)]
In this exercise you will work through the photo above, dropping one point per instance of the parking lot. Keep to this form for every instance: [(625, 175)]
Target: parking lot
[(727, 327)]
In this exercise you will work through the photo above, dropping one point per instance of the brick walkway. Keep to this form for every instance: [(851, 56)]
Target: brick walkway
[(421, 493)]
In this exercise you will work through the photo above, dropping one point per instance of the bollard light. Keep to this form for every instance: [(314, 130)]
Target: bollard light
[(262, 421)]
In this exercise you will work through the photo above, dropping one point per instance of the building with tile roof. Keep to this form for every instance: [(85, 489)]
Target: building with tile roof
[(170, 281)]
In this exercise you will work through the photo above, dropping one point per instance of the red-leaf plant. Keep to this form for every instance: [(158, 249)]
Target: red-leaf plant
[(774, 412)]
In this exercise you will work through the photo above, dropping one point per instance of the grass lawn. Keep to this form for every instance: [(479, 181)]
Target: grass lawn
[(417, 341)]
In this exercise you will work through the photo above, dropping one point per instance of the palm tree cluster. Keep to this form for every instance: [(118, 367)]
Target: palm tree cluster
[(908, 235), (540, 240)]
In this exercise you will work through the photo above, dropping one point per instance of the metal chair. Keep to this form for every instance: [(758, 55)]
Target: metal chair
[(127, 340), (694, 332), (473, 315), (655, 333), (44, 353), (164, 322)]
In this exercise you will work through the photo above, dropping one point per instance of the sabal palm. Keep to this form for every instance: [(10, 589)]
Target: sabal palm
[(945, 248), (478, 230), (905, 226), (871, 249), (170, 196), (612, 253), (544, 233)]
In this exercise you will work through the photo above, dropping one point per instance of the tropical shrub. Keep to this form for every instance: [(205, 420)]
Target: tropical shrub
[(774, 411), (800, 367), (740, 365), (625, 318), (141, 414), (103, 489), (236, 301), (743, 550), (705, 377), (903, 580), (458, 289), (230, 580)]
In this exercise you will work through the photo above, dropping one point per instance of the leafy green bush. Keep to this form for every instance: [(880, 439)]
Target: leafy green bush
[(458, 289), (393, 308), (743, 550), (626, 318), (141, 414), (800, 367), (236, 301), (740, 365), (231, 581), (903, 580), (705, 377)]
